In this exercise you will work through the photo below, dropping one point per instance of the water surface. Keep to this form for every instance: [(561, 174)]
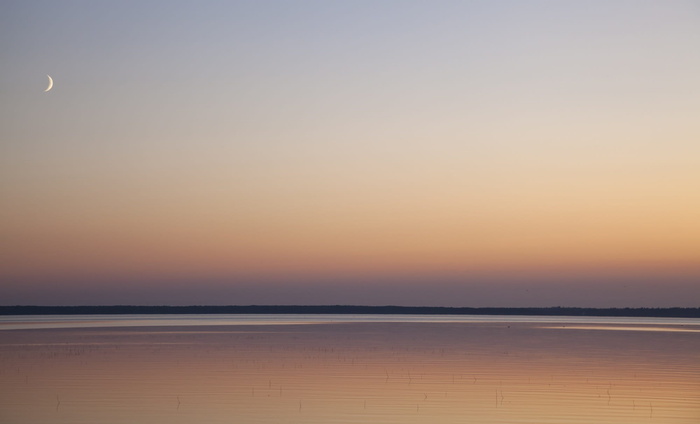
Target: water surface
[(347, 369)]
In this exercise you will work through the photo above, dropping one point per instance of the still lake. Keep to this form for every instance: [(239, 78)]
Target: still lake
[(348, 369)]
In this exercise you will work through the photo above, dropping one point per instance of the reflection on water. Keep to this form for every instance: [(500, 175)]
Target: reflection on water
[(494, 371), (101, 321)]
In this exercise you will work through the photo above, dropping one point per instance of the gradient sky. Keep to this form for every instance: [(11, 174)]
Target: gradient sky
[(466, 153)]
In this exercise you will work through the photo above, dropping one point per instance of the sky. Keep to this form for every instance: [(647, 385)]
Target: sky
[(437, 153)]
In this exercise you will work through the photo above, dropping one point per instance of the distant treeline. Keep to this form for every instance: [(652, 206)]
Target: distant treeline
[(348, 309)]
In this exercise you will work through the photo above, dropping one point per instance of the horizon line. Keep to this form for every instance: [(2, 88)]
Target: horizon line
[(681, 312)]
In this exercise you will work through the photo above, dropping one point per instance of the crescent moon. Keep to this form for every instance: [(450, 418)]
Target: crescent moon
[(50, 84)]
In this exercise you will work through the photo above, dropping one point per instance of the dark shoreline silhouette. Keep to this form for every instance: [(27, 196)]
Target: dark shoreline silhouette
[(347, 309)]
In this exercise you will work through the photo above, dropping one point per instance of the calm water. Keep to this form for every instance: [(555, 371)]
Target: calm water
[(348, 369)]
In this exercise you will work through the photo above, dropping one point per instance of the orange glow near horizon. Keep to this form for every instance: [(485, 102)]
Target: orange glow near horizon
[(428, 232)]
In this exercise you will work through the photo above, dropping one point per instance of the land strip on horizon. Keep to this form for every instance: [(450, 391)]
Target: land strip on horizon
[(347, 309)]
